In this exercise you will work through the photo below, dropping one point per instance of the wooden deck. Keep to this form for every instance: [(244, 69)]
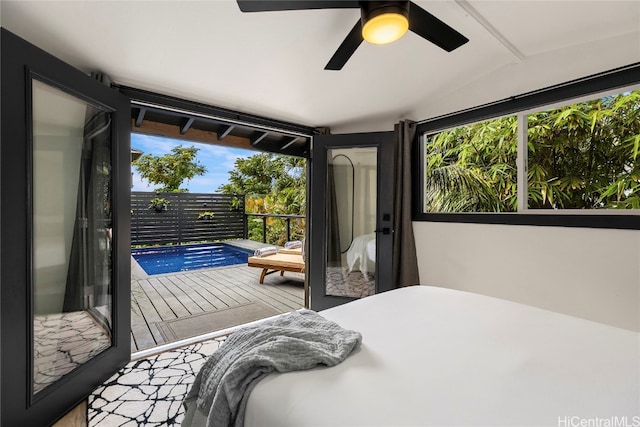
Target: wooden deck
[(160, 298)]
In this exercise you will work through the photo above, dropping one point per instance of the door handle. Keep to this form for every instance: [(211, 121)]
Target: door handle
[(385, 230)]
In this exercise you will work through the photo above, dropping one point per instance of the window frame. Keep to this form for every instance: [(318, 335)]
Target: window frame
[(572, 92)]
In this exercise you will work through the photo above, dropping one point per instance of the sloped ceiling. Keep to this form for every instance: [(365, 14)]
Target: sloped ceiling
[(271, 64)]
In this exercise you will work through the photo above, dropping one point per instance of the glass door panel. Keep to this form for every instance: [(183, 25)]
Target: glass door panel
[(351, 214), (65, 188), (72, 227), (352, 175)]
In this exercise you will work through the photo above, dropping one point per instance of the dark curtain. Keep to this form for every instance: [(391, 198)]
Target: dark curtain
[(334, 257), (89, 275), (405, 262), (334, 254)]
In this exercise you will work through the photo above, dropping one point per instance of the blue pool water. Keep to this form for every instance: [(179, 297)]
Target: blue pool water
[(171, 259)]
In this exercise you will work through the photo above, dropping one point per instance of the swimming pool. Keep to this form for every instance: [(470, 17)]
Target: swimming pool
[(171, 259)]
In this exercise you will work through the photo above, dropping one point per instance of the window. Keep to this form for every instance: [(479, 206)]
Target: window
[(585, 155), (553, 151), (472, 168)]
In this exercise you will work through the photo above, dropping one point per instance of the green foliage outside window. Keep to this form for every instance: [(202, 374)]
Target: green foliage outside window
[(159, 204), (473, 168), (582, 156), (206, 215), (273, 184), (170, 170)]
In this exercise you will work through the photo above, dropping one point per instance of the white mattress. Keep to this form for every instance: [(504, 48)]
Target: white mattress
[(433, 356), (357, 255)]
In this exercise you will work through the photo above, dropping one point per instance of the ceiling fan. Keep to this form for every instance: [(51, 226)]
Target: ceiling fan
[(382, 22)]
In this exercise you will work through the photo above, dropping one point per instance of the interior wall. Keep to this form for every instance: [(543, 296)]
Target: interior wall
[(534, 72), (365, 193), (55, 194), (58, 134), (356, 191), (588, 273)]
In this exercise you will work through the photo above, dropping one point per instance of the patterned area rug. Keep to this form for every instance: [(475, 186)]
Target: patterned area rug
[(342, 283), (202, 323), (149, 392), (62, 342)]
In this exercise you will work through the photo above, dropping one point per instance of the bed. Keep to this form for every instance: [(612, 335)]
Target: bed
[(361, 254), (434, 356)]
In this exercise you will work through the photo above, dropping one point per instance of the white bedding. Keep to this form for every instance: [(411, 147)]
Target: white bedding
[(358, 257), (434, 356)]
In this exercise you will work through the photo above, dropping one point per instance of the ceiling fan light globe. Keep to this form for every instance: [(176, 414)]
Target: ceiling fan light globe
[(385, 28)]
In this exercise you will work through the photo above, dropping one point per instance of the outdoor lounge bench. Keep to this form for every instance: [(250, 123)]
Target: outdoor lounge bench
[(281, 262)]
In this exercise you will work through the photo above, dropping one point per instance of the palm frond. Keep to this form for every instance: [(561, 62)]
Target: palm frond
[(453, 188)]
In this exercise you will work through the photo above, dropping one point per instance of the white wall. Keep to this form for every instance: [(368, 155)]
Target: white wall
[(58, 134), (588, 273), (365, 192), (357, 184)]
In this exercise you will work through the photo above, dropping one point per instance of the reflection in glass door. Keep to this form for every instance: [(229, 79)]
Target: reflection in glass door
[(72, 228), (65, 296), (351, 217), (351, 221)]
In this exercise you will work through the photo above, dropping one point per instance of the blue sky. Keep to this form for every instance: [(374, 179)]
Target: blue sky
[(218, 161)]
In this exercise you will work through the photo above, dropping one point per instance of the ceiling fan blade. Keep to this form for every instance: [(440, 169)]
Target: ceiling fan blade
[(346, 49), (431, 28), (275, 5)]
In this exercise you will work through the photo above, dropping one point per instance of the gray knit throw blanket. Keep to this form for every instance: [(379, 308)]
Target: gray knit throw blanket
[(296, 341)]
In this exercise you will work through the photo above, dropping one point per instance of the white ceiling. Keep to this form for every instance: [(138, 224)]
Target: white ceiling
[(271, 64)]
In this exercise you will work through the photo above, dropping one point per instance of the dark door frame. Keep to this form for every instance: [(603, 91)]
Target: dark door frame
[(317, 259), (19, 406)]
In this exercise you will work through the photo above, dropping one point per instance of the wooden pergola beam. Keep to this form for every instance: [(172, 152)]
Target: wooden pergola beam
[(291, 141), (140, 118), (186, 125), (224, 131), (257, 137), (192, 134)]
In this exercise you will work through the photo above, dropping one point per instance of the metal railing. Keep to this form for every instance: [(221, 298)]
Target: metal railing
[(264, 217), (180, 221)]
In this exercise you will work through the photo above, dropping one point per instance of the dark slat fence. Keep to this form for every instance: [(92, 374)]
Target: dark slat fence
[(180, 223)]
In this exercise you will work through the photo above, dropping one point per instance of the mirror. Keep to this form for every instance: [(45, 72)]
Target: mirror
[(351, 221), (343, 177), (71, 233)]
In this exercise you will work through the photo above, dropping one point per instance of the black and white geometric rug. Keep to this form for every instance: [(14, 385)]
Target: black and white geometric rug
[(344, 283), (149, 392), (64, 341)]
